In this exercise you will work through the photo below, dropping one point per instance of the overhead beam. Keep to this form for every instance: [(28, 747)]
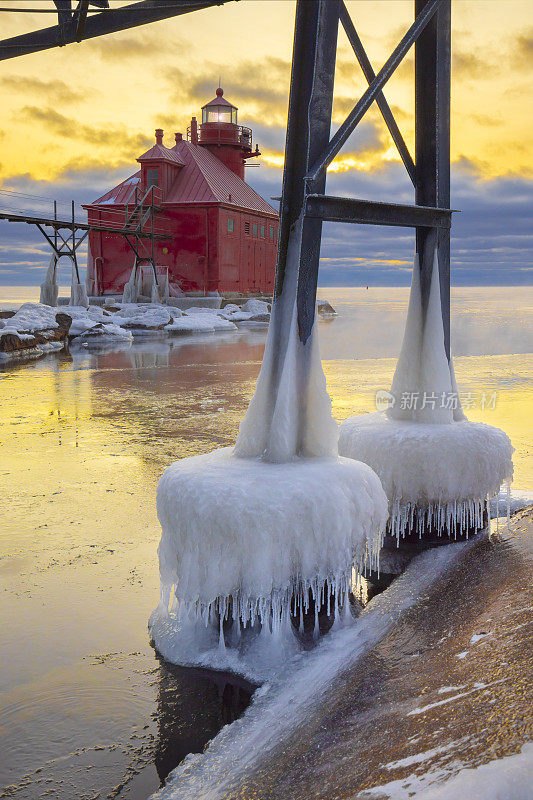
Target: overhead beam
[(367, 212), (368, 72), (99, 24), (362, 106)]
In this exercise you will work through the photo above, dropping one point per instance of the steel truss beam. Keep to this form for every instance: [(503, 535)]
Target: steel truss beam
[(366, 212), (75, 26), (366, 66), (432, 146), (361, 107), (309, 151)]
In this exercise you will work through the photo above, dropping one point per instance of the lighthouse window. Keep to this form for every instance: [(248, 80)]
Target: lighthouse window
[(262, 231), (230, 226), (255, 229), (217, 114), (152, 178), (272, 232)]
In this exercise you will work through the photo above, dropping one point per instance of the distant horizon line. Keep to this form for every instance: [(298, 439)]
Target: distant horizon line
[(362, 285)]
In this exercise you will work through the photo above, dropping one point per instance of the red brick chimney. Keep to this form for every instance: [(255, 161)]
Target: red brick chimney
[(194, 131), (178, 137), (158, 136)]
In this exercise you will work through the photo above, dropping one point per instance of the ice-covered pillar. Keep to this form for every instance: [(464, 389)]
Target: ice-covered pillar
[(290, 414), (432, 145), (308, 132)]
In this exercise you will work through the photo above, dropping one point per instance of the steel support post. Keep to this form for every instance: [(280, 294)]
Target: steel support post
[(432, 143), (308, 132)]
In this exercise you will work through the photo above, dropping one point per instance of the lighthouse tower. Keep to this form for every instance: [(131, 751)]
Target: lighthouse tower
[(220, 133)]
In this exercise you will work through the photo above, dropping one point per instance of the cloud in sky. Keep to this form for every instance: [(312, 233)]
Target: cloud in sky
[(55, 91), (492, 237), (76, 118)]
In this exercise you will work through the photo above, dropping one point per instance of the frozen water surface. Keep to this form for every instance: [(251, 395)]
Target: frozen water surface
[(85, 438)]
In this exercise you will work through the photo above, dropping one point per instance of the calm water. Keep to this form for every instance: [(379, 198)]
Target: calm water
[(86, 709)]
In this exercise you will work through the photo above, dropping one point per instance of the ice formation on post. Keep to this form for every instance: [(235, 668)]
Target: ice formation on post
[(78, 291), (290, 412), (438, 469), (252, 537), (49, 287), (129, 294)]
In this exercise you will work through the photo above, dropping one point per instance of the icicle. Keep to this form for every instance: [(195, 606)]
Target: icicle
[(316, 629), (221, 642), (508, 488)]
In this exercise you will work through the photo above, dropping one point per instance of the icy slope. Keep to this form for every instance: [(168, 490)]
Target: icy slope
[(278, 709)]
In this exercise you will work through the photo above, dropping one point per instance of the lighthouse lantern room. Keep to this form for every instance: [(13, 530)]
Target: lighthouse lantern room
[(219, 234)]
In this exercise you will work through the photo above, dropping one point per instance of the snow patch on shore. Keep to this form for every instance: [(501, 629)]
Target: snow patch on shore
[(507, 778)]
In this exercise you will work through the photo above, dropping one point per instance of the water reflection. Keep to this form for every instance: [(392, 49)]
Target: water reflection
[(85, 436), (192, 706)]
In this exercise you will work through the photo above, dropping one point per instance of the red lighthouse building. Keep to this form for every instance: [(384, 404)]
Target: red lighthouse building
[(215, 233)]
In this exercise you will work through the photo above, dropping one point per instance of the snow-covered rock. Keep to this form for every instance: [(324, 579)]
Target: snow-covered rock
[(142, 317), (32, 317), (200, 320), (325, 309), (33, 330), (251, 311)]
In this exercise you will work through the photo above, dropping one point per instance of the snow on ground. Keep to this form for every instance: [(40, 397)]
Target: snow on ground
[(508, 778), (282, 705), (246, 540), (32, 317)]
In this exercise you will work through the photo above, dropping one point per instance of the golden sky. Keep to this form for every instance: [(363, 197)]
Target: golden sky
[(96, 104)]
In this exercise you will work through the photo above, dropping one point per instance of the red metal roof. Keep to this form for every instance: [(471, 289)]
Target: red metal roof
[(203, 179), (161, 153), (121, 193)]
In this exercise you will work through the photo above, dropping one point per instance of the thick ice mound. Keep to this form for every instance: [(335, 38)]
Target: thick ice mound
[(447, 471), (438, 469), (245, 540)]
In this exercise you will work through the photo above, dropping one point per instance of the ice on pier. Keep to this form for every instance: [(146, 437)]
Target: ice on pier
[(434, 475), (257, 534), (49, 287), (438, 469)]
